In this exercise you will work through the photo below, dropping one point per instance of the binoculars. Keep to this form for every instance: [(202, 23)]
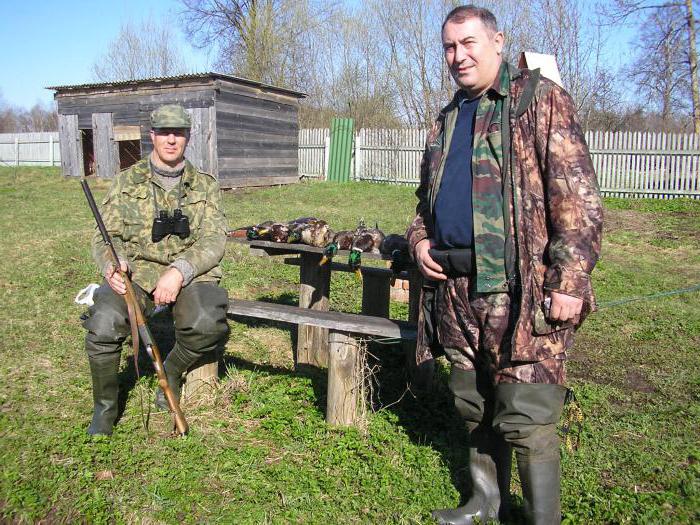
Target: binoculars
[(164, 224)]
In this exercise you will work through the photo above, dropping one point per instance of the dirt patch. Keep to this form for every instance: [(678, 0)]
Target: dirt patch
[(627, 220), (638, 383)]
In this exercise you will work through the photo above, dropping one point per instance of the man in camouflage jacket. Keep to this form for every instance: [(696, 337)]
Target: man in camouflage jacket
[(506, 325), (168, 267)]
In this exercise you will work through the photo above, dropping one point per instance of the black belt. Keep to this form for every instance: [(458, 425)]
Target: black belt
[(455, 262)]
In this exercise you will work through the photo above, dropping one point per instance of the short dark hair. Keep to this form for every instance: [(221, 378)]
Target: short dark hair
[(465, 12)]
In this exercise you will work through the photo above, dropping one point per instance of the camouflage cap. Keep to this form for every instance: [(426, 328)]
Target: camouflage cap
[(170, 116)]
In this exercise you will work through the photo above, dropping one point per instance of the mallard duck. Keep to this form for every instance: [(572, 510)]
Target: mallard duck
[(367, 240), (278, 232), (313, 233), (259, 231), (342, 240), (296, 226)]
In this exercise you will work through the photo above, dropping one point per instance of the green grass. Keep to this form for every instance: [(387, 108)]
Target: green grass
[(260, 451)]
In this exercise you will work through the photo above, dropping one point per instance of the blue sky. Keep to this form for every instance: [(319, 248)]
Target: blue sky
[(52, 42), (49, 43)]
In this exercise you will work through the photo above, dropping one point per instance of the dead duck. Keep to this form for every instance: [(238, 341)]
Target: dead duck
[(367, 240), (278, 232), (296, 226), (314, 233), (259, 231), (342, 240)]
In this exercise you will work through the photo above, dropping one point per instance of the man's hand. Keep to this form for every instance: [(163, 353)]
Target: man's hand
[(168, 287), (115, 279), (427, 266), (564, 307)]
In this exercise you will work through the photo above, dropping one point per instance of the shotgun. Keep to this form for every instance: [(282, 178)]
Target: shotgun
[(141, 327)]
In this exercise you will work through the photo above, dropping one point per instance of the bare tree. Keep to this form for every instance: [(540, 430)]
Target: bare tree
[(685, 21), (662, 80), (39, 117), (146, 50), (264, 40), (412, 52)]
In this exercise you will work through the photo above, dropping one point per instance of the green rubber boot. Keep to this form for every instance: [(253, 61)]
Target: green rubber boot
[(175, 365), (527, 417), (105, 394)]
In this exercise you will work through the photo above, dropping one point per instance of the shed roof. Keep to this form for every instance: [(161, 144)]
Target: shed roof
[(135, 83)]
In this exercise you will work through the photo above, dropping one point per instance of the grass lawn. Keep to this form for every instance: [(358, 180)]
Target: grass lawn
[(259, 449)]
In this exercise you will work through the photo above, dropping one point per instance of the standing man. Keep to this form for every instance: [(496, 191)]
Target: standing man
[(507, 232), (168, 227)]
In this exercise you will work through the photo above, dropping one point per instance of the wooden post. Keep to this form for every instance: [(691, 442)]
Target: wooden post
[(344, 378), (421, 377), (314, 288), (375, 295), (202, 377), (16, 151)]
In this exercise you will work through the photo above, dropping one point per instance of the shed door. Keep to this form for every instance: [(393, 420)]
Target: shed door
[(202, 139), (105, 147), (70, 144)]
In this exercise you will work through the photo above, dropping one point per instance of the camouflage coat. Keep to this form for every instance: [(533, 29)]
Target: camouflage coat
[(554, 212), (128, 211)]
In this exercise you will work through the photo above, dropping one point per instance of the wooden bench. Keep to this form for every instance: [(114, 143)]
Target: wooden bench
[(344, 371)]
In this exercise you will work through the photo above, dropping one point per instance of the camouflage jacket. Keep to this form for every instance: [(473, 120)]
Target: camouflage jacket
[(128, 211), (554, 212)]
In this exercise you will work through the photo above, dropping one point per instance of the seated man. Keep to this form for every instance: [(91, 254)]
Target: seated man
[(168, 228)]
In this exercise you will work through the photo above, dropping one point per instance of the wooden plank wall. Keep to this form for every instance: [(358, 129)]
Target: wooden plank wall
[(653, 165), (134, 108), (131, 107), (71, 145), (257, 137), (30, 149), (105, 148)]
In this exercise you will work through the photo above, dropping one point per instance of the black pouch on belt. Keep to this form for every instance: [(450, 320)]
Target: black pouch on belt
[(457, 262)]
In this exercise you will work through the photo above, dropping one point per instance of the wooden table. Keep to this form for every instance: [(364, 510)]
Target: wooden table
[(314, 289)]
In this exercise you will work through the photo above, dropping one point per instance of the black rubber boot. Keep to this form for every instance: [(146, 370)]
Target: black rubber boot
[(489, 456), (527, 416), (105, 394), (176, 364)]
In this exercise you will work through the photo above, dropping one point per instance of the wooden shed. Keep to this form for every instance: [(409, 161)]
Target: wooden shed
[(245, 133)]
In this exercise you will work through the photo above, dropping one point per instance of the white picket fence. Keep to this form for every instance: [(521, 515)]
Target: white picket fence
[(30, 149), (655, 165)]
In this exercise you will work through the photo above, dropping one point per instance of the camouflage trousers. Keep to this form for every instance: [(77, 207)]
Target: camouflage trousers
[(475, 330)]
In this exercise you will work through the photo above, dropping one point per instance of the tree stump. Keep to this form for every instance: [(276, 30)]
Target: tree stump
[(202, 377)]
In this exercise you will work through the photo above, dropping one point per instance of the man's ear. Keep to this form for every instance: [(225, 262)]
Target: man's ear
[(499, 40)]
